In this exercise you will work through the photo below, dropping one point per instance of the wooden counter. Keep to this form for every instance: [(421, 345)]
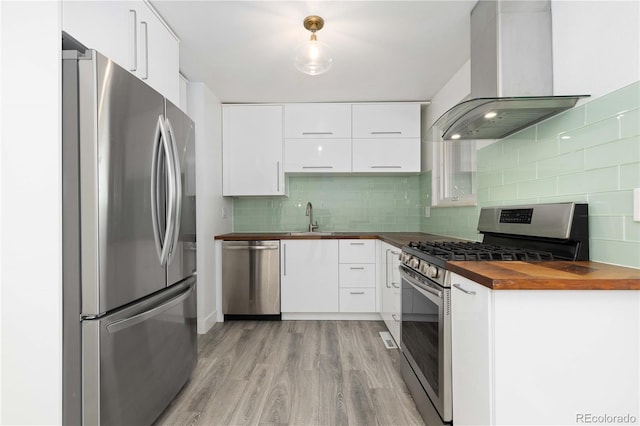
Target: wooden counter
[(551, 275), (397, 239)]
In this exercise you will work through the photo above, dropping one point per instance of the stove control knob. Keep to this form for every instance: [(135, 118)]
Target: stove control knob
[(433, 272), (414, 263)]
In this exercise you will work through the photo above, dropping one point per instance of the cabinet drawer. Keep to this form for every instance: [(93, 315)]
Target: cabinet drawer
[(317, 121), (357, 275), (386, 120), (317, 155), (357, 251), (357, 299), (386, 155)]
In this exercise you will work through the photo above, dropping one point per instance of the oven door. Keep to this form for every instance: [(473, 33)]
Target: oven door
[(426, 336)]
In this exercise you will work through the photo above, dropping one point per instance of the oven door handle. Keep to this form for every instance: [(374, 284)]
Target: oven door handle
[(417, 283)]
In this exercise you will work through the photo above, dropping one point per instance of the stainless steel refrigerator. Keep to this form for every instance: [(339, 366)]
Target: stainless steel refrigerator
[(129, 253)]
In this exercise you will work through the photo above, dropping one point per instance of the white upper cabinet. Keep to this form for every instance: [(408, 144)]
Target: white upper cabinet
[(387, 120), (386, 155), (158, 54), (317, 155), (252, 150), (317, 121), (386, 138), (131, 34), (105, 26)]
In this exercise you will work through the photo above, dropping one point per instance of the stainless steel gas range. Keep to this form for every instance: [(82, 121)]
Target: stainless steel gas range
[(530, 233)]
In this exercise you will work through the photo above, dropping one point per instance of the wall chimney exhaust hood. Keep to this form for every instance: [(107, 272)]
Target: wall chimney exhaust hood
[(511, 72)]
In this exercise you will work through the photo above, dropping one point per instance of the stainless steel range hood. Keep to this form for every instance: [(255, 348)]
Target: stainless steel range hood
[(511, 72)]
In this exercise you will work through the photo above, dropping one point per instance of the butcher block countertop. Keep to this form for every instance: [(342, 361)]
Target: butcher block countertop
[(551, 275), (397, 239), (496, 275)]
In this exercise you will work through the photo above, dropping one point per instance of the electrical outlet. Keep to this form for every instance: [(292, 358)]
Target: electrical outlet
[(427, 212), (636, 205)]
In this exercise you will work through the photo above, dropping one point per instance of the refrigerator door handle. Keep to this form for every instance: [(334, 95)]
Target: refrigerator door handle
[(177, 182), (122, 324), (161, 241)]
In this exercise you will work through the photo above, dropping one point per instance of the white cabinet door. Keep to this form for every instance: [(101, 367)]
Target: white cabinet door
[(317, 121), (357, 251), (357, 299), (357, 274), (391, 155), (391, 297), (317, 155), (252, 150), (106, 26), (398, 120), (158, 54), (309, 276), (472, 357), (131, 34)]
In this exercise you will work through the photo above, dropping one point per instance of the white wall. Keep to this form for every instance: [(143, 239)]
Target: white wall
[(30, 224), (596, 46), (205, 109)]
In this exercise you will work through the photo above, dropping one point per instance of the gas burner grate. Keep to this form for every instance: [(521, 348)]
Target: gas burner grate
[(463, 250)]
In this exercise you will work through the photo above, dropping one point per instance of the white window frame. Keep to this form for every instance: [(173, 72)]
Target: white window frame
[(440, 178)]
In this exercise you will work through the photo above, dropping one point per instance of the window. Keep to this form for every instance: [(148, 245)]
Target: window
[(453, 178)]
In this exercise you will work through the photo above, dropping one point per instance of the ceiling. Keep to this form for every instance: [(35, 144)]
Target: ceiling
[(382, 50)]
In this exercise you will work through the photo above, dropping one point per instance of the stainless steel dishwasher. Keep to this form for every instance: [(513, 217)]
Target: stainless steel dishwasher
[(251, 279)]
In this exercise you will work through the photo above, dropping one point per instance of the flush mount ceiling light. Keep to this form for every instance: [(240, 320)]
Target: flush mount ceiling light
[(313, 57)]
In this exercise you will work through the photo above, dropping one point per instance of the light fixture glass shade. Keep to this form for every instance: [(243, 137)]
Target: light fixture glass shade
[(313, 57)]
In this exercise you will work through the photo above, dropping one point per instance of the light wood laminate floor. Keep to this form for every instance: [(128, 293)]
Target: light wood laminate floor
[(294, 373)]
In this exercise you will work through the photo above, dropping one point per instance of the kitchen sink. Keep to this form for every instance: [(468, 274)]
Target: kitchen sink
[(307, 233)]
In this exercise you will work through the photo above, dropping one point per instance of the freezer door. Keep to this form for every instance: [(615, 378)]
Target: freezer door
[(137, 359), (119, 116), (182, 261)]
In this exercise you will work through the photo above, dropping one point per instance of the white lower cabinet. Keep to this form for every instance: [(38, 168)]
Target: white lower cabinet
[(357, 299), (544, 357), (390, 309), (309, 276), (357, 277), (472, 358)]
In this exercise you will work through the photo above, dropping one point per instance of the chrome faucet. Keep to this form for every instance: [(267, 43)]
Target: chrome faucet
[(309, 212)]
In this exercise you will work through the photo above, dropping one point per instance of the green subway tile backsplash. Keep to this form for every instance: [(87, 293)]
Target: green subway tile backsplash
[(587, 154), (340, 203)]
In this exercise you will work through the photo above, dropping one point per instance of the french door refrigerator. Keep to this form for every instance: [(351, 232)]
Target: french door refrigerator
[(129, 257)]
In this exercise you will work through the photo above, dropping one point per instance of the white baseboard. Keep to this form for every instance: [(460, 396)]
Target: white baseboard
[(331, 316), (209, 321)]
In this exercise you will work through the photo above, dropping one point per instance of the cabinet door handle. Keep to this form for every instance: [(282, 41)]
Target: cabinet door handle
[(317, 167), (386, 261), (278, 176), (145, 36), (356, 292), (133, 40), (284, 259), (317, 133), (394, 316), (386, 133), (356, 268), (357, 244), (386, 167), (459, 287)]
